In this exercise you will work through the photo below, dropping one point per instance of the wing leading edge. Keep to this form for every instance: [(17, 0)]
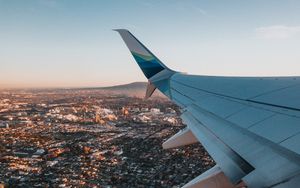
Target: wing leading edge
[(249, 125)]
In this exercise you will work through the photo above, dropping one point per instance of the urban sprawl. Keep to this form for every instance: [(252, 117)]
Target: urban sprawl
[(92, 138)]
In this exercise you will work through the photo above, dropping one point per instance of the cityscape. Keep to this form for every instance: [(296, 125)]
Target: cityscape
[(154, 94), (92, 138)]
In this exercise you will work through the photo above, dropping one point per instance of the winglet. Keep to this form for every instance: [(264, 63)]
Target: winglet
[(157, 73), (149, 63)]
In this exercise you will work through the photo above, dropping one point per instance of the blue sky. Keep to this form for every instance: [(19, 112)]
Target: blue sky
[(70, 43)]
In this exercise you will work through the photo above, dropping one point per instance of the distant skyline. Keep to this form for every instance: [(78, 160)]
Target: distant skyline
[(64, 43)]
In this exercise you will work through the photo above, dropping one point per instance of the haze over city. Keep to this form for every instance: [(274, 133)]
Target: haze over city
[(58, 43)]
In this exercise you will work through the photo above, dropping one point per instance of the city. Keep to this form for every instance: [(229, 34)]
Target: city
[(117, 94), (92, 138)]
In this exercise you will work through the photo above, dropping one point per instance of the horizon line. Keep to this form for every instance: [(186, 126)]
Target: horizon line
[(67, 87)]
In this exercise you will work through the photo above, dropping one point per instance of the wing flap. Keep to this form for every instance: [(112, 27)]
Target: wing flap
[(213, 178), (231, 163), (182, 138), (249, 146)]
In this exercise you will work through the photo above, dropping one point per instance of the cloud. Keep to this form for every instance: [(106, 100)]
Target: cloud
[(277, 32)]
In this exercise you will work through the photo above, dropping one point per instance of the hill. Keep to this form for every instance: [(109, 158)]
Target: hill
[(137, 89)]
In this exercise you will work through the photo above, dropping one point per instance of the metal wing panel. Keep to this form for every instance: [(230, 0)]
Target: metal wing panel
[(292, 143), (180, 99), (193, 94), (266, 123), (288, 97), (277, 128), (243, 88), (262, 154), (213, 103), (221, 106), (249, 116)]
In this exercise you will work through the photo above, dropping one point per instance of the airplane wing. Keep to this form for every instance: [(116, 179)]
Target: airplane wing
[(249, 125)]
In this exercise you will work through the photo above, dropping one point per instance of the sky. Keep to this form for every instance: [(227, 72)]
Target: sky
[(70, 43)]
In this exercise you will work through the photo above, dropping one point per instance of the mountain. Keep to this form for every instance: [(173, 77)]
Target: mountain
[(130, 86), (137, 89)]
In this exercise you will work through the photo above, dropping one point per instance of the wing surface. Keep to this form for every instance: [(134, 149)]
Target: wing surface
[(249, 125)]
